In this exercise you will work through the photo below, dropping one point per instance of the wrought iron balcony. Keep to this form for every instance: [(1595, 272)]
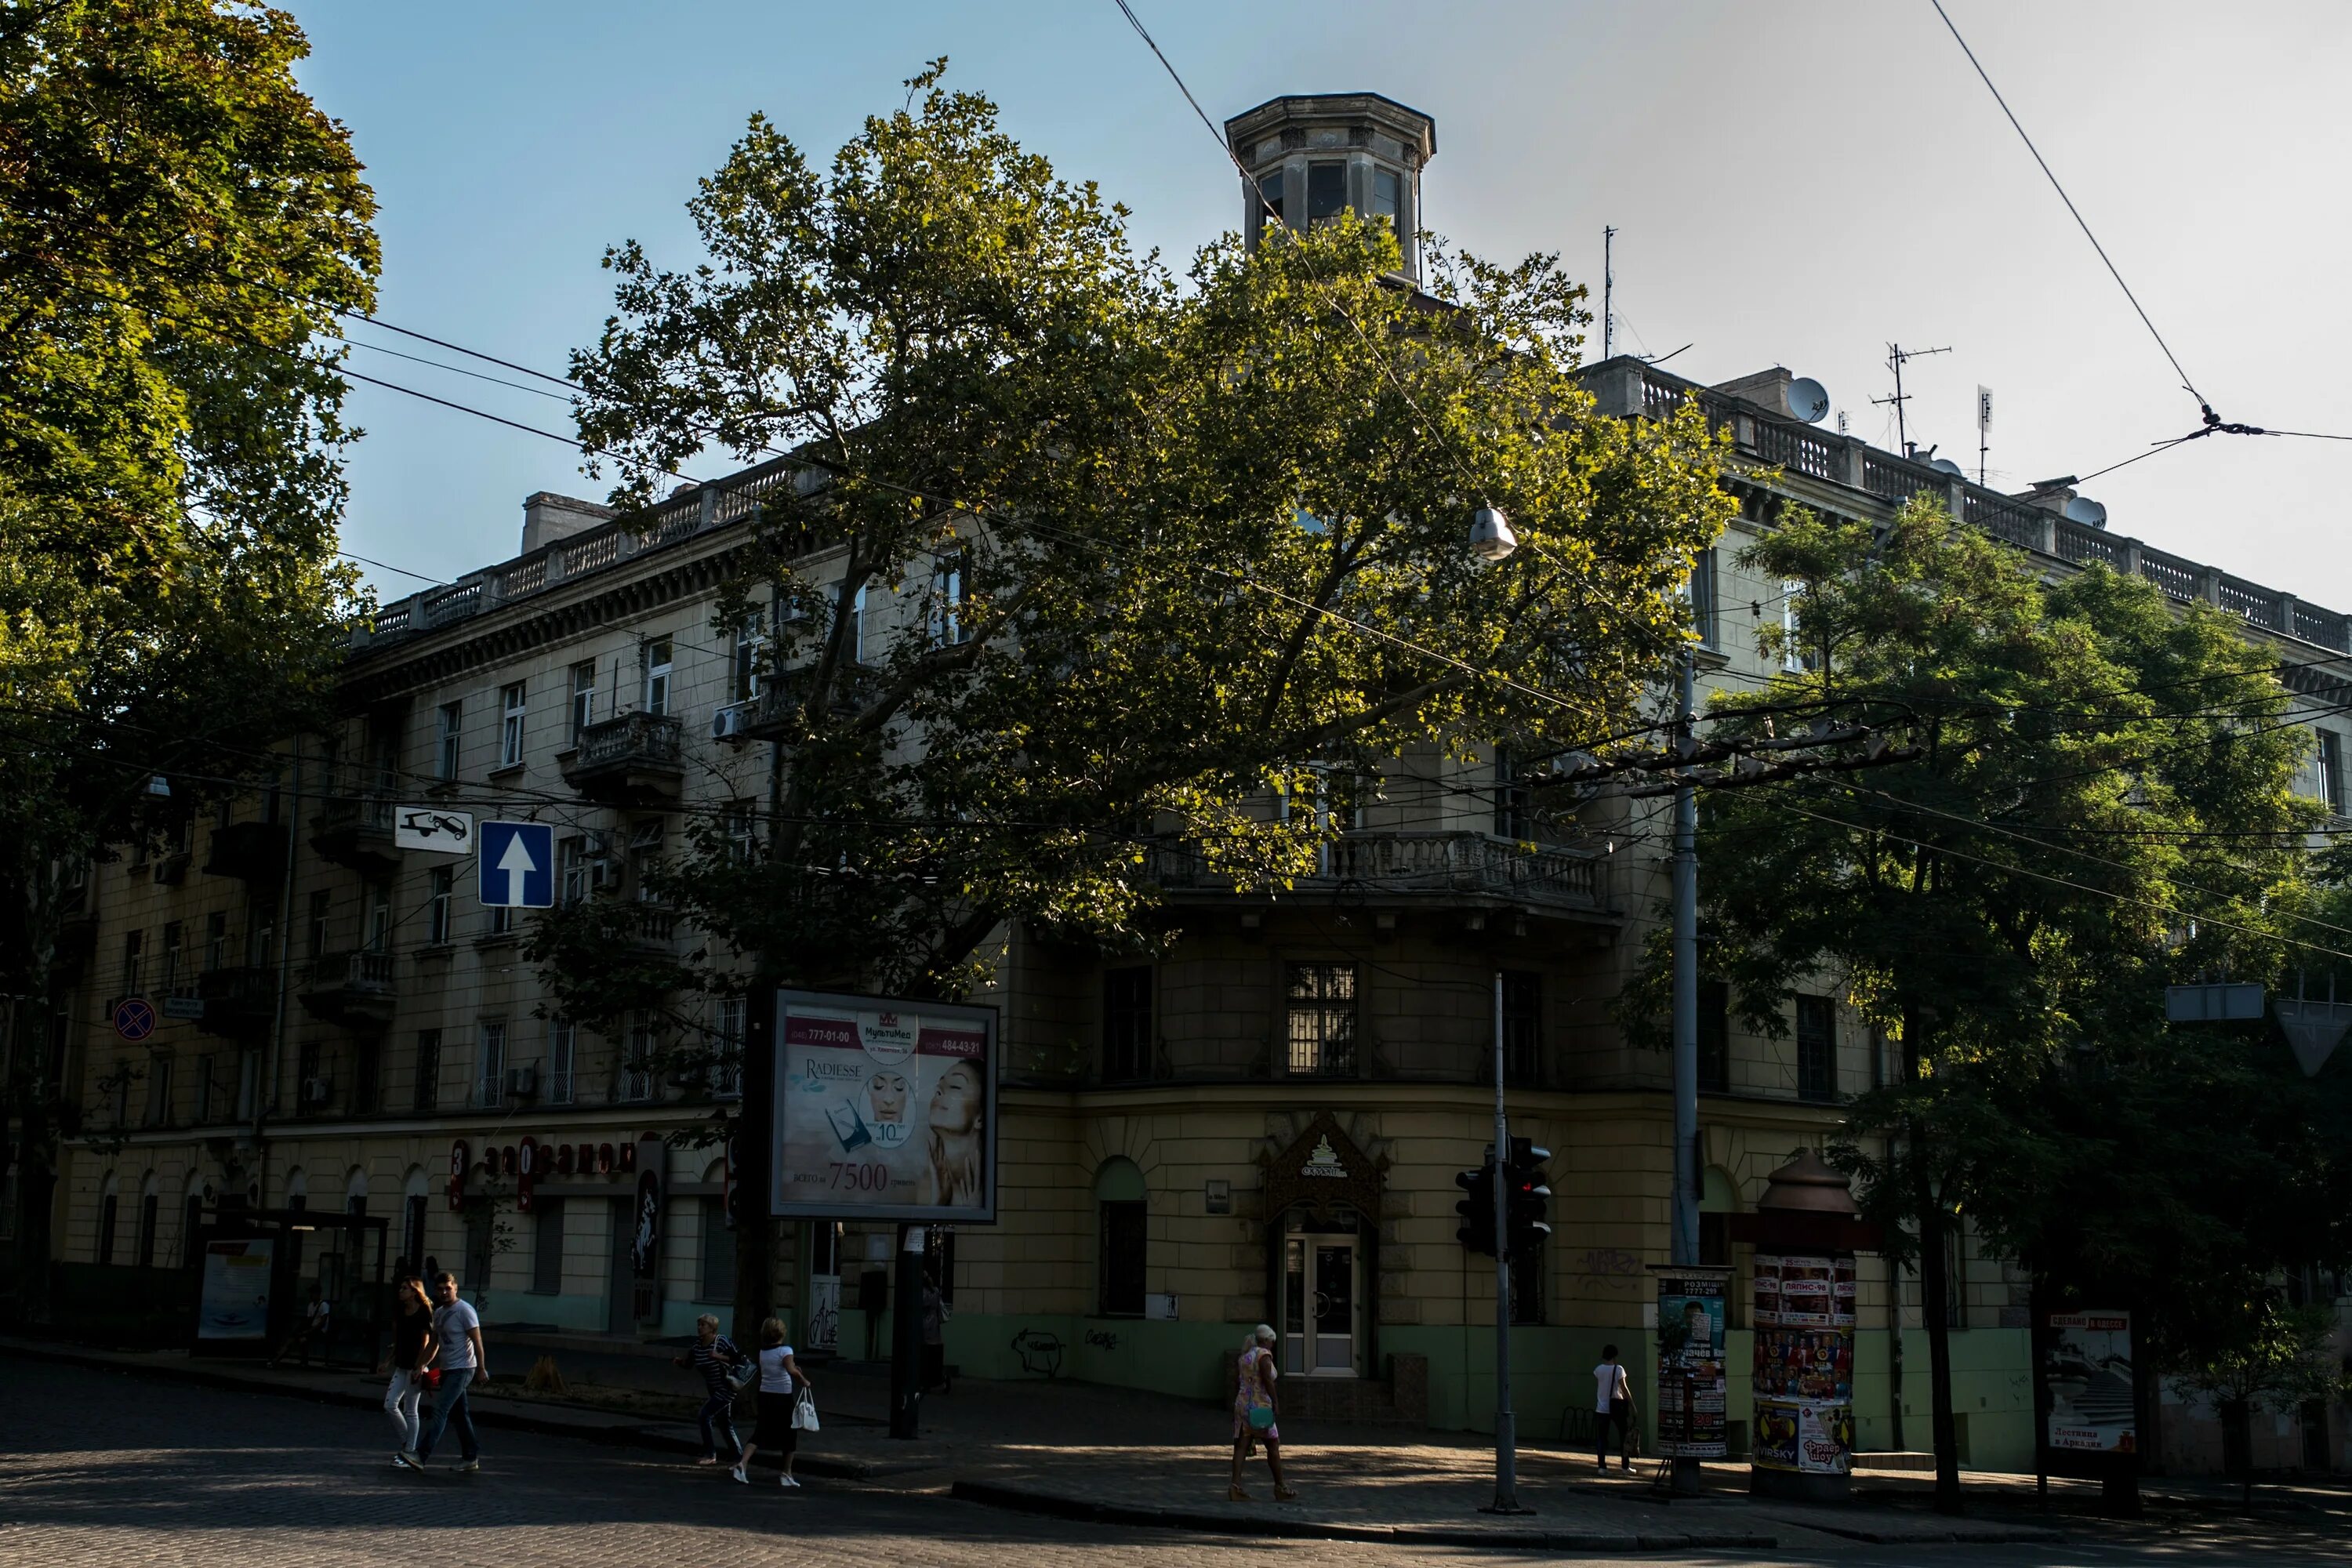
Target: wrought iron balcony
[(1406, 869), (355, 832), (779, 712), (354, 989), (636, 759)]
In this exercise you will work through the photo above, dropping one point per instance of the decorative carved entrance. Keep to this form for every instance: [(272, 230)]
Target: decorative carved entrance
[(1322, 1238)]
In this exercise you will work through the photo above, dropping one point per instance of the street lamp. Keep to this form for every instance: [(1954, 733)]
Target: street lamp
[(1491, 538)]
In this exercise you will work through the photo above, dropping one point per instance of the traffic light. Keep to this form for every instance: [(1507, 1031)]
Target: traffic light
[(1527, 1197), (1476, 1230)]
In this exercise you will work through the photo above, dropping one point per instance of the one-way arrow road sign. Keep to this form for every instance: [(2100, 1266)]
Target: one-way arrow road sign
[(517, 862)]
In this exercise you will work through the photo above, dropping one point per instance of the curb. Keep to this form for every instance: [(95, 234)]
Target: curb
[(617, 1436), (1022, 1500)]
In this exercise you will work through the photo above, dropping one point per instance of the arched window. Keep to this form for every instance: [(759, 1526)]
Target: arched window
[(297, 1189), (1123, 1213), (109, 1200), (355, 1192), (415, 1203), (151, 1204)]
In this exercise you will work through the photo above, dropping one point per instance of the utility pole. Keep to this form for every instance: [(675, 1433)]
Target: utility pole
[(1608, 293), (1506, 1430), (1687, 1473), (1898, 356)]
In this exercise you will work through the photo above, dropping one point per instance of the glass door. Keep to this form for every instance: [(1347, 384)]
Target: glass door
[(1321, 1306)]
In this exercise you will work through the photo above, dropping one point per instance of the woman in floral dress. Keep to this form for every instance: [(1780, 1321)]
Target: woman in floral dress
[(1253, 1413)]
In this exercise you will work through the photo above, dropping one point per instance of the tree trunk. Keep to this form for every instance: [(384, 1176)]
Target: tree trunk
[(1935, 1293)]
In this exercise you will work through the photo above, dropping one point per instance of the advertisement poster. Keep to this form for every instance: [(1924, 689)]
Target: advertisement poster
[(885, 1109), (233, 1302), (824, 1313), (1803, 1373), (2087, 1368), (1692, 1386)]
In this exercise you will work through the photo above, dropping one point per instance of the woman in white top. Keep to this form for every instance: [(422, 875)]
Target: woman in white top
[(780, 1383)]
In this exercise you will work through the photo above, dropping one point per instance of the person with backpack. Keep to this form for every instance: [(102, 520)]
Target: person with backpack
[(1612, 1404), (714, 1355), (782, 1385)]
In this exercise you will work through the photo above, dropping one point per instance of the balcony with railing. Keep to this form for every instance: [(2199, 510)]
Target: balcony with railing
[(636, 759), (241, 1001), (1883, 479), (778, 712), (354, 832), (355, 989), (1417, 868)]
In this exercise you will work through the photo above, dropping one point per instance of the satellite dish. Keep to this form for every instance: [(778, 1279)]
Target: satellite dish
[(2086, 512), (1946, 465), (1808, 400)]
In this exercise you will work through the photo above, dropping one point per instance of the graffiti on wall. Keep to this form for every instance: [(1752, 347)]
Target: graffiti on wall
[(1040, 1352)]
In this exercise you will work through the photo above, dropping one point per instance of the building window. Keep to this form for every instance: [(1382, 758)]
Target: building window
[(856, 649), (174, 979), (1714, 1037), (655, 656), (191, 1230), (1388, 195), (2333, 786), (490, 1065), (1127, 1025), (216, 939), (412, 1228), (437, 904), (159, 1091), (583, 698), (502, 920), (367, 1069), (1327, 191), (1795, 657), (571, 869), (717, 1253), (1514, 801), (134, 945), (547, 1247), (563, 1040), (1269, 186), (745, 685), (321, 905), (453, 721), (638, 1066), (1523, 1029), (309, 1076), (151, 1219), (1322, 1019), (726, 1048), (742, 833), (379, 931), (428, 1068), (261, 934), (1125, 1242), (106, 1207), (1705, 617), (1816, 1049), (947, 600), (207, 1088), (510, 717)]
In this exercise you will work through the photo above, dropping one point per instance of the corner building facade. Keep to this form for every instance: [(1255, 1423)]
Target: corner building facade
[(1263, 1125)]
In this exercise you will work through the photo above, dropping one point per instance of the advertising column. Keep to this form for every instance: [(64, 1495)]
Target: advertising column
[(1804, 1323)]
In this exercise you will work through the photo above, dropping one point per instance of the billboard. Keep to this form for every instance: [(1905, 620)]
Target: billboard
[(2086, 1376), (232, 1303), (1692, 1386), (884, 1109)]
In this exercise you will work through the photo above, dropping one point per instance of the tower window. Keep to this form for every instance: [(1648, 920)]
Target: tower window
[(1270, 186), (1327, 191), (1387, 193)]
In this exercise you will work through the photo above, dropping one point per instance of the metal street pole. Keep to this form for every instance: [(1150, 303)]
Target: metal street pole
[(1506, 1430), (1687, 1473)]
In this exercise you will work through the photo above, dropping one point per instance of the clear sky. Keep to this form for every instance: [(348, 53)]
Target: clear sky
[(1793, 183)]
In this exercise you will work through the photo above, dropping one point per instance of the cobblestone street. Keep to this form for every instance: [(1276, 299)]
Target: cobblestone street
[(103, 1469)]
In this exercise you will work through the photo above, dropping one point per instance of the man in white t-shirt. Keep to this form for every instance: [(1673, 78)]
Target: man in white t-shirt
[(456, 1352), (1612, 1405)]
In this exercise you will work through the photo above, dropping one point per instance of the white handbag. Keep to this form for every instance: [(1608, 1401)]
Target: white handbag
[(804, 1411)]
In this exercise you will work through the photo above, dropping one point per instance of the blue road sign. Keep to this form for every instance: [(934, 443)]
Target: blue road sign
[(517, 862), (133, 1018)]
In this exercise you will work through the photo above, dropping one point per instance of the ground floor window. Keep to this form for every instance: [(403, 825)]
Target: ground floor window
[(1124, 1225), (718, 1252), (547, 1248)]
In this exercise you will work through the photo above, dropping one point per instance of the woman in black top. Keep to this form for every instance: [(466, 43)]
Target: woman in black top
[(412, 1322)]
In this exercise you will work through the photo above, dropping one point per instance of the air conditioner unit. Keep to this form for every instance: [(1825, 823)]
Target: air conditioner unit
[(523, 1083), (732, 722)]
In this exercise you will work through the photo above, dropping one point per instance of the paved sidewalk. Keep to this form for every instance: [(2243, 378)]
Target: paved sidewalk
[(1128, 1457)]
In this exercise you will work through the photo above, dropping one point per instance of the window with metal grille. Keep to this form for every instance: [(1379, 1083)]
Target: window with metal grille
[(1125, 1240), (428, 1068), (490, 1074), (1714, 1037), (1523, 1029), (638, 1066), (726, 1048), (1127, 1025), (563, 1040), (1816, 1048), (1321, 1017)]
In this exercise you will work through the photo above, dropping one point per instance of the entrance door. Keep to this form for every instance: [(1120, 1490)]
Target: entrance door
[(1322, 1306), (621, 1309)]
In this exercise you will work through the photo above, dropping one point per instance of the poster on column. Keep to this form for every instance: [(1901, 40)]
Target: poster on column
[(885, 1109), (233, 1301), (1692, 1386), (1803, 1372)]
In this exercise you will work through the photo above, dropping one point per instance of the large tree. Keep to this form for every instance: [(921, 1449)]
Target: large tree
[(2102, 804), (1169, 547), (179, 225)]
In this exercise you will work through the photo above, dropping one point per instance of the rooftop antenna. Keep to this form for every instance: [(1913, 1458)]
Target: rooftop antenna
[(1897, 355), (1608, 290), (1984, 428)]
